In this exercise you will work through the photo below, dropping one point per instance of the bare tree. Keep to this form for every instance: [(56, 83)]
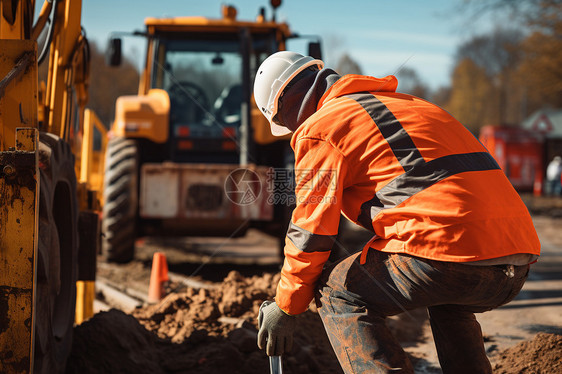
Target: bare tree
[(470, 96), (521, 10), (338, 56), (441, 96), (499, 55), (494, 52), (108, 83), (410, 82), (540, 72), (346, 65), (503, 76), (335, 47)]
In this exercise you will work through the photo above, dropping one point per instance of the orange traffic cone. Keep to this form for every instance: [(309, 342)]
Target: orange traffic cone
[(158, 275)]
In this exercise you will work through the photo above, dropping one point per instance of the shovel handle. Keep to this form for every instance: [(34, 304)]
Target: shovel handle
[(275, 366)]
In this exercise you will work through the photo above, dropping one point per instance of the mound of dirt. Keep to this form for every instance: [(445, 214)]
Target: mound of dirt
[(115, 342), (204, 331), (541, 355), (112, 342), (216, 310)]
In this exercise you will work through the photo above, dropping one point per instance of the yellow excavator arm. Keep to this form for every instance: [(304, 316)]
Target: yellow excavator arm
[(45, 142)]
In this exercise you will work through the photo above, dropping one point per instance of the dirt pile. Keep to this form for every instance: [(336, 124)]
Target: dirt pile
[(113, 342), (202, 331), (235, 302), (541, 355)]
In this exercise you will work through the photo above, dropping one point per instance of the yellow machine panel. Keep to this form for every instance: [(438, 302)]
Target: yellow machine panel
[(39, 249), (143, 116), (18, 251), (19, 73)]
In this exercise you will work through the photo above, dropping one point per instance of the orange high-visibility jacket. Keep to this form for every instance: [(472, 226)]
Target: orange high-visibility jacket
[(404, 169)]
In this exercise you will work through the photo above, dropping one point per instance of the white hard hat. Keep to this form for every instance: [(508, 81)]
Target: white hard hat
[(274, 74)]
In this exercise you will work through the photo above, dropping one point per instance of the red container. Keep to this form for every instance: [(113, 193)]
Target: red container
[(519, 153)]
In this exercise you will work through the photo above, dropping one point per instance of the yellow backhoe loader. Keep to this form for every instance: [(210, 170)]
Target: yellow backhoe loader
[(191, 154), (49, 174)]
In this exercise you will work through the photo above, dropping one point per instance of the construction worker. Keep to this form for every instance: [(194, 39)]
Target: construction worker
[(450, 232), (554, 175)]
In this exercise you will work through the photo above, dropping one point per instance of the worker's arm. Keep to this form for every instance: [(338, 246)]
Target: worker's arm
[(319, 176)]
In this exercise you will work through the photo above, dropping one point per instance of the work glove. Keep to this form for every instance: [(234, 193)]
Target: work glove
[(275, 329)]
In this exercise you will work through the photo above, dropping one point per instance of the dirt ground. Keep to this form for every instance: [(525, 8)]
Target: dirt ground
[(214, 329), (542, 354)]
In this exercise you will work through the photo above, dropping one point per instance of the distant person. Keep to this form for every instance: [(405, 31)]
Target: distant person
[(553, 175), (450, 232)]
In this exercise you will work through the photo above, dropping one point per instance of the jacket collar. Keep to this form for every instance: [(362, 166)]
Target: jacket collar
[(346, 85), (353, 83)]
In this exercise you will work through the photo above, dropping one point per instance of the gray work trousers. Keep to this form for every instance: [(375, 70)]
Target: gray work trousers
[(353, 301)]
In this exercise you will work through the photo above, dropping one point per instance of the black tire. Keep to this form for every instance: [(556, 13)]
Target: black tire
[(57, 262), (120, 194)]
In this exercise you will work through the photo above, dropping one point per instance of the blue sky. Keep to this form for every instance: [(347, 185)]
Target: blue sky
[(380, 35)]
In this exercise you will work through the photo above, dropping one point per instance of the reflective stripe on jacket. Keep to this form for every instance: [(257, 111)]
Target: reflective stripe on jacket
[(402, 168)]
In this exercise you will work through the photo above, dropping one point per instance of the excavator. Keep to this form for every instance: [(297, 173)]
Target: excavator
[(191, 154), (53, 177), (49, 178)]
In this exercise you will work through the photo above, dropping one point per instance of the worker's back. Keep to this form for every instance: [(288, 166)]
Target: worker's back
[(439, 194)]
